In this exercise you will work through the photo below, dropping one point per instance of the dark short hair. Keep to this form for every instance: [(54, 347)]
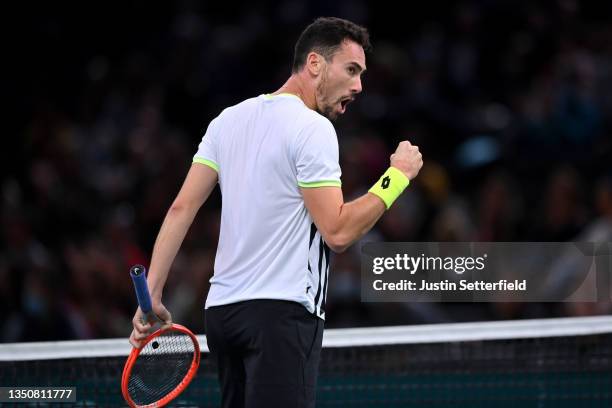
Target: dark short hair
[(325, 36)]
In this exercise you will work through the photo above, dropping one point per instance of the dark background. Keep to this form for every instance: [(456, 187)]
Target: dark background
[(509, 101)]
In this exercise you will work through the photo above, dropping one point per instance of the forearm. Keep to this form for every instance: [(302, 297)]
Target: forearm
[(355, 219), (359, 216), (169, 240)]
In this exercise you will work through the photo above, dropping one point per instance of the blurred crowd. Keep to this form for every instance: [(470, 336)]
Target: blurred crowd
[(510, 103)]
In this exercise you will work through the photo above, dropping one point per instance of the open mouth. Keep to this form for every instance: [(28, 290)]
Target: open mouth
[(344, 102)]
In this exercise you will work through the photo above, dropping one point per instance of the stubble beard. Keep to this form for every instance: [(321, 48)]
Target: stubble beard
[(324, 107)]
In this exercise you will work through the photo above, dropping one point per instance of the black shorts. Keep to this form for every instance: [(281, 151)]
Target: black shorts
[(268, 353)]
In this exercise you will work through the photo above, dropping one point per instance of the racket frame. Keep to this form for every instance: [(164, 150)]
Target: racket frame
[(129, 364)]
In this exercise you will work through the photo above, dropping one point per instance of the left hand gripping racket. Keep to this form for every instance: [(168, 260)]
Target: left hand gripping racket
[(166, 361)]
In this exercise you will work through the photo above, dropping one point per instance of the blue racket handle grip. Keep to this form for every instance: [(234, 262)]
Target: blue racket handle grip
[(139, 277)]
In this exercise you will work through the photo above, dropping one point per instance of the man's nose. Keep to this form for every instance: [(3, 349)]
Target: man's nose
[(356, 88)]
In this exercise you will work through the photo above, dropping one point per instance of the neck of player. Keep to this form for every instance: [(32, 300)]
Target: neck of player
[(298, 85)]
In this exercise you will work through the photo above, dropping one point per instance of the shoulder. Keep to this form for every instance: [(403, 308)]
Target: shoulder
[(315, 122), (238, 109), (317, 135)]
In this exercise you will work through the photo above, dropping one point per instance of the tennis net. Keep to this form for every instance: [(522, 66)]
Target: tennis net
[(563, 362)]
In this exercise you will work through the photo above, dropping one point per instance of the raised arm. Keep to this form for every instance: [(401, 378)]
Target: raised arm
[(342, 223)]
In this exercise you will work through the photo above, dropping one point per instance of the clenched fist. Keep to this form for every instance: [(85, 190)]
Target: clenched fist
[(407, 159)]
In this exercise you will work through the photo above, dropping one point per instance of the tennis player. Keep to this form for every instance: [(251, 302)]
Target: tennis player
[(275, 158)]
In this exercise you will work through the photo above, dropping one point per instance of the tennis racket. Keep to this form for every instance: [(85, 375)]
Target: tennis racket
[(166, 361)]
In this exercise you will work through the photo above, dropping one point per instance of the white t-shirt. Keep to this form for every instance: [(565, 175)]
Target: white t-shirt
[(264, 149)]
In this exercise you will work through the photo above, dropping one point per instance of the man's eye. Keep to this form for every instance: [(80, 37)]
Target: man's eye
[(351, 70)]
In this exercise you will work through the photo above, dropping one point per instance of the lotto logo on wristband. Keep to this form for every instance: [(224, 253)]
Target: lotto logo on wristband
[(389, 192), (385, 182)]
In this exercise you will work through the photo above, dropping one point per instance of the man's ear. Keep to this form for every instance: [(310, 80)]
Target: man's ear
[(314, 63)]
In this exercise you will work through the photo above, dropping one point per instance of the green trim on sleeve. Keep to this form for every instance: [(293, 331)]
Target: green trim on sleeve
[(208, 163), (322, 183)]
